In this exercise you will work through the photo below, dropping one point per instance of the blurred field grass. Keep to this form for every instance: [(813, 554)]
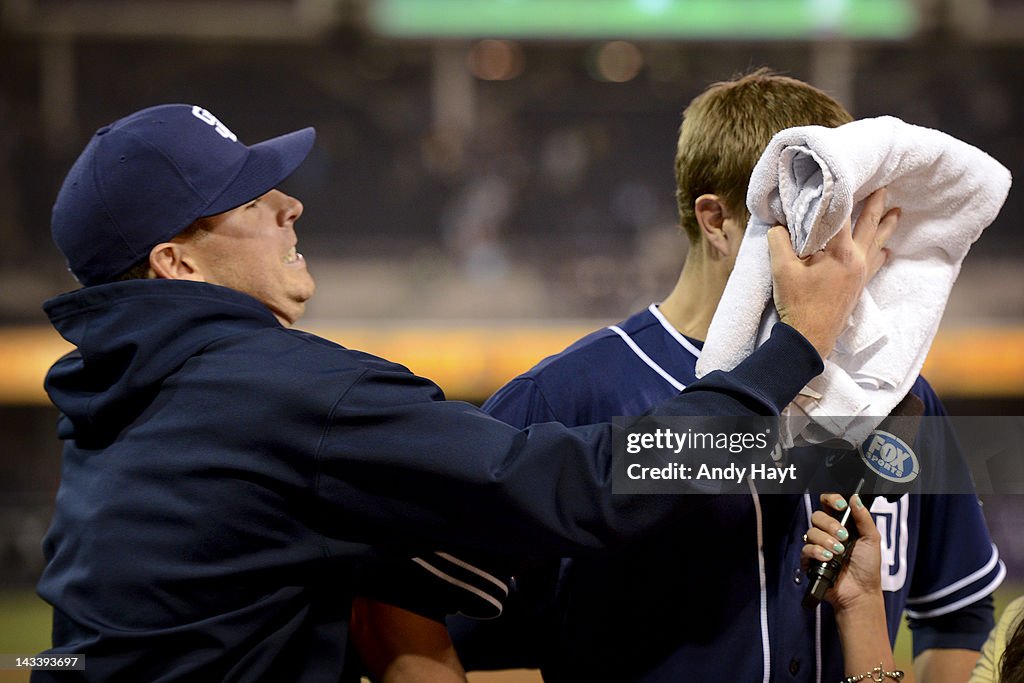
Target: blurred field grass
[(25, 629)]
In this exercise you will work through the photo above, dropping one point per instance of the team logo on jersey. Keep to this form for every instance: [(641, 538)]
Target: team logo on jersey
[(890, 457), (892, 520)]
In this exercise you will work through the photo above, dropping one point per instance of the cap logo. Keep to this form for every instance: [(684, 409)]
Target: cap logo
[(207, 117), (890, 457)]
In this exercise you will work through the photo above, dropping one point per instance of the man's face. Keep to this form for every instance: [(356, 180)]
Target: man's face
[(252, 249)]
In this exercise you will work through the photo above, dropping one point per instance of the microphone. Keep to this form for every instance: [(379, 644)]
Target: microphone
[(885, 464)]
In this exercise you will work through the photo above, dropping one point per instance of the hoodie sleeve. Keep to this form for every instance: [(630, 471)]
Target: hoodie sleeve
[(396, 463)]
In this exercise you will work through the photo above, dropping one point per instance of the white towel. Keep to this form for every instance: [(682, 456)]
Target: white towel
[(810, 178)]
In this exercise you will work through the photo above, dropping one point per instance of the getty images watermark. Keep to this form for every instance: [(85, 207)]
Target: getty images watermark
[(688, 440), (726, 455)]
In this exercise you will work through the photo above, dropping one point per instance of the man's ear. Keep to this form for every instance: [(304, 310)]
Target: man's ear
[(711, 213), (173, 261)]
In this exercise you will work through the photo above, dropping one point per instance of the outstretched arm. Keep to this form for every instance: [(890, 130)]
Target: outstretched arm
[(856, 595)]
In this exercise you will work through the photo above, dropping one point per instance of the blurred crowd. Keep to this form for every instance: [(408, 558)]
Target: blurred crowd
[(550, 196)]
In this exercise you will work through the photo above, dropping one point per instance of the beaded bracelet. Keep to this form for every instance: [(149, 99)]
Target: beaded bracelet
[(878, 674)]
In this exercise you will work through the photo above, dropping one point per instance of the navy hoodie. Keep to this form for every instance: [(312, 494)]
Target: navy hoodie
[(226, 481)]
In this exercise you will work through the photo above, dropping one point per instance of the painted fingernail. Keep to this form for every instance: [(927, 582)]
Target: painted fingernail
[(858, 502), (840, 504), (842, 534), (838, 547), (827, 554)]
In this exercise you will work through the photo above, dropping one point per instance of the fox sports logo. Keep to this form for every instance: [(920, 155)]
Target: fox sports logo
[(890, 457)]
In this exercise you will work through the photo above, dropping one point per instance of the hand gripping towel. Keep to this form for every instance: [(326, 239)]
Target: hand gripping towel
[(810, 178)]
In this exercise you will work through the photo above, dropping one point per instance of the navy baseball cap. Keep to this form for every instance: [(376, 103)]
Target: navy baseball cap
[(145, 178)]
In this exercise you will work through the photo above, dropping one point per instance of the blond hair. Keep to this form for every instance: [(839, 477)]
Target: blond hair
[(726, 128)]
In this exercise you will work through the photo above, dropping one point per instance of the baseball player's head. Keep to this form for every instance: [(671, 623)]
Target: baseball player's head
[(724, 131), (170, 192)]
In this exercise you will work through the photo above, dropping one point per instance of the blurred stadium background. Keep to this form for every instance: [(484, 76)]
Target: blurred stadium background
[(492, 177)]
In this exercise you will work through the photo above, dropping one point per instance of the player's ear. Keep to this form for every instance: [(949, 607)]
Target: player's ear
[(711, 214), (174, 261)]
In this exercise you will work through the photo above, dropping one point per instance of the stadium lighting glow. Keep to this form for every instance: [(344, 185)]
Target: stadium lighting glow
[(646, 19)]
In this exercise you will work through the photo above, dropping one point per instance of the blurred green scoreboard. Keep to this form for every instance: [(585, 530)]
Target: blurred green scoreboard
[(644, 19)]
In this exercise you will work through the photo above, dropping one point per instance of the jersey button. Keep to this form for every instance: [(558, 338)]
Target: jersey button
[(798, 576), (794, 666)]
